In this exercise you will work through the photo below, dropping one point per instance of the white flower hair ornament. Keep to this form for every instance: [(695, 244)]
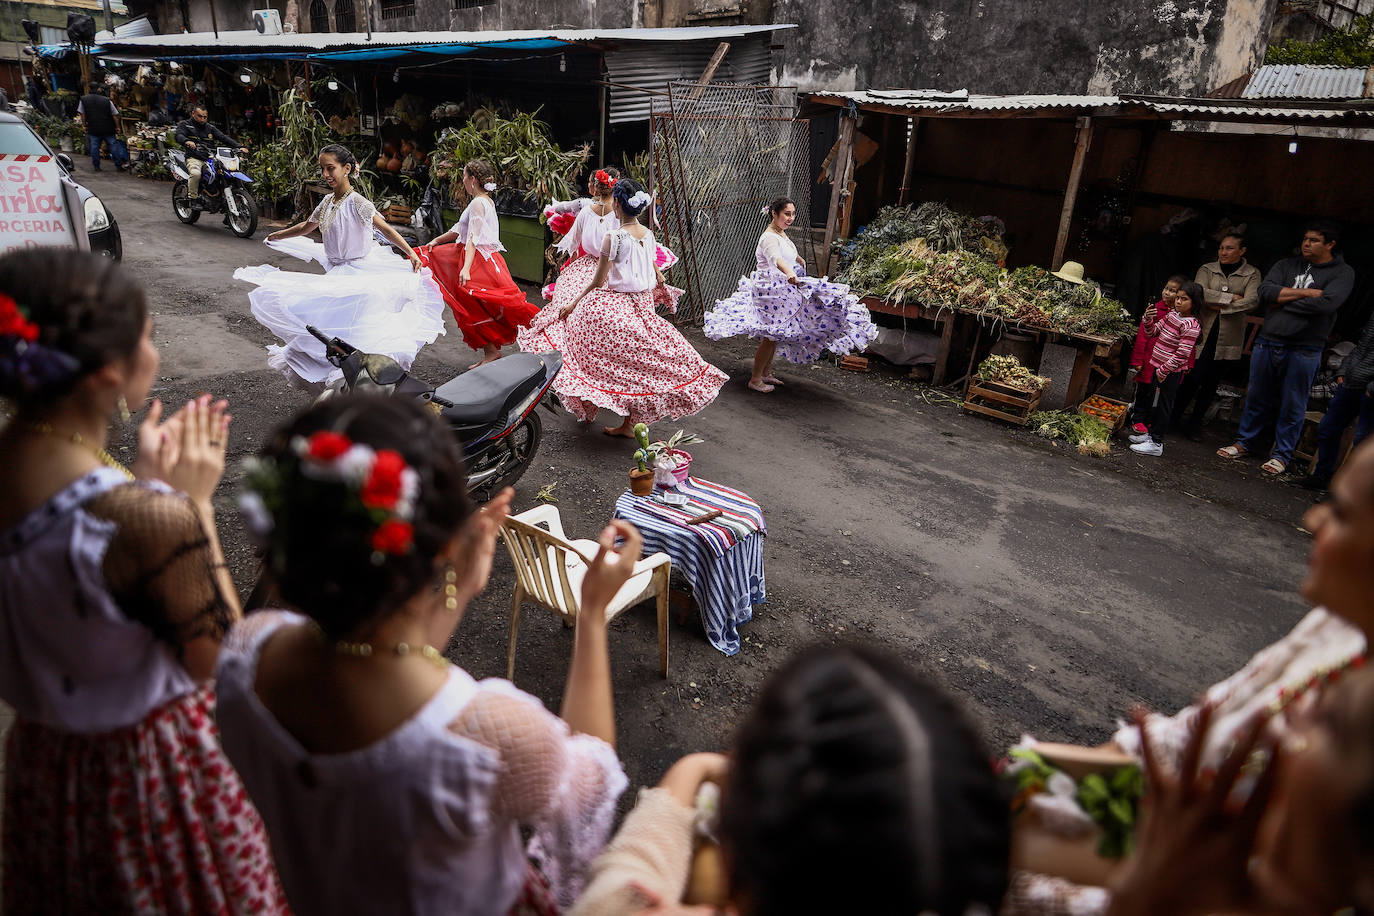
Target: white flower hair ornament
[(640, 199), (767, 210), (489, 186)]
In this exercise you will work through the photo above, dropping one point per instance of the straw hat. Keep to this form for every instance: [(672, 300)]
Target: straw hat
[(1071, 271)]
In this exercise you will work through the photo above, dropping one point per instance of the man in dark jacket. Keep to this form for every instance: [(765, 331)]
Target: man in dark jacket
[(100, 118), (1300, 296), (1353, 399), (198, 137)]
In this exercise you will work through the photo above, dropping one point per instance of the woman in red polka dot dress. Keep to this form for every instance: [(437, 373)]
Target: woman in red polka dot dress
[(617, 353)]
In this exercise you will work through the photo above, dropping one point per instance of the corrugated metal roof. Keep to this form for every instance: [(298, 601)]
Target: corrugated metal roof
[(1305, 81), (749, 62), (934, 100), (248, 40), (930, 102)]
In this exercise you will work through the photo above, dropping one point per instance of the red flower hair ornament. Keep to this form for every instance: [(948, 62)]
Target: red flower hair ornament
[(603, 179), (14, 322), (379, 487)]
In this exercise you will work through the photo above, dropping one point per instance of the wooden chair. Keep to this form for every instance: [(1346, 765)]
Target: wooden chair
[(549, 569)]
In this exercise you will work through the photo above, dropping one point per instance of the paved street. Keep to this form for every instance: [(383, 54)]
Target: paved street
[(1050, 591)]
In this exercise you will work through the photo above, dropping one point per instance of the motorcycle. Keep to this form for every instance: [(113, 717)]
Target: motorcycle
[(490, 409), (223, 189)]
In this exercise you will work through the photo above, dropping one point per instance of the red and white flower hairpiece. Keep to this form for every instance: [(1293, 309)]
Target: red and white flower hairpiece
[(604, 179), (383, 485)]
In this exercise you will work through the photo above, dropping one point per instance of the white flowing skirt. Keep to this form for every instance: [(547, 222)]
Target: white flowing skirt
[(377, 303)]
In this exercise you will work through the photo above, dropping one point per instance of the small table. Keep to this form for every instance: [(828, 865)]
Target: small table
[(721, 559)]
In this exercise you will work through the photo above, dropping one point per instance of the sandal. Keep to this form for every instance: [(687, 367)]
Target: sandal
[(1231, 452), (1275, 466)]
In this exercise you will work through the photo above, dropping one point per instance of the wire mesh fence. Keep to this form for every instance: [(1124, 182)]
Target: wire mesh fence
[(721, 153)]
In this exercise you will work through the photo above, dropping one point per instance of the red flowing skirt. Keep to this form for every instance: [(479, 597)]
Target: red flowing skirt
[(490, 308)]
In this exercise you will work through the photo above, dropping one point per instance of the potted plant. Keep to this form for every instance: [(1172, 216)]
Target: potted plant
[(663, 463), (642, 474)]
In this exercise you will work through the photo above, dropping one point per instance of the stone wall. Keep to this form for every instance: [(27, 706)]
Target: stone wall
[(1184, 47)]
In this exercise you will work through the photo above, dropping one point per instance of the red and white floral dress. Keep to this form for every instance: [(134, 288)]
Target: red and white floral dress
[(118, 797), (489, 308), (620, 355)]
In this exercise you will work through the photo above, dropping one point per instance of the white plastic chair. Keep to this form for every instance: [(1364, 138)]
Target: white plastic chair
[(549, 569)]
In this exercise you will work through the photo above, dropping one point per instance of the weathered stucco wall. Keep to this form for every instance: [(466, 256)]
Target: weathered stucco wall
[(439, 15), (1022, 46)]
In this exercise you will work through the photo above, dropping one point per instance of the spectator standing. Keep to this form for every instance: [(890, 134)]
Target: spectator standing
[(1144, 345), (1302, 295), (1353, 399), (1175, 334), (1231, 286), (100, 118)]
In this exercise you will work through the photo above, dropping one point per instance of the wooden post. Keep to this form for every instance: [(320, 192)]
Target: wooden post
[(710, 72), (214, 20), (1080, 155), (909, 170), (839, 179), (883, 152)]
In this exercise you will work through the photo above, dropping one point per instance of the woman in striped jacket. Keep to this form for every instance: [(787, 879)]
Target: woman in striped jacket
[(1175, 334)]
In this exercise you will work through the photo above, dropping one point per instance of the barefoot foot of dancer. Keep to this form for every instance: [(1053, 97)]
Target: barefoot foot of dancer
[(772, 379), (760, 385), (490, 353), (626, 429)]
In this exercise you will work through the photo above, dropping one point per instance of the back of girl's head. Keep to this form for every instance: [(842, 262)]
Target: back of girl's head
[(780, 204), (631, 196), (1178, 280), (858, 787), (343, 155), (610, 172), (1195, 293), (83, 312), (319, 542), (481, 170)]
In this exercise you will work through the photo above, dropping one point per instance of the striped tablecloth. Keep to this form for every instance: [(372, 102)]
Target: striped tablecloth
[(722, 559)]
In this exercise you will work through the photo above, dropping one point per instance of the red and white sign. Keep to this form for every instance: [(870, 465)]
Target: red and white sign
[(33, 211)]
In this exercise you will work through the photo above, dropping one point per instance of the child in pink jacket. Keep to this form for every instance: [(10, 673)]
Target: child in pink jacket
[(1144, 343), (1174, 333)]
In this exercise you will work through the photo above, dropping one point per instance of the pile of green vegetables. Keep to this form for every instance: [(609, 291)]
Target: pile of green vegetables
[(1007, 370), (939, 258), (1089, 434)]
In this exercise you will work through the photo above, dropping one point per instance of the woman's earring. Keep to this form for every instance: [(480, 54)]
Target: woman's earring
[(450, 589), (123, 407)]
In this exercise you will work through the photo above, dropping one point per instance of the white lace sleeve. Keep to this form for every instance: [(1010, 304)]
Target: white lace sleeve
[(570, 206), (652, 850), (318, 215), (570, 242), (483, 227), (562, 785), (610, 247), (363, 209), (770, 248)]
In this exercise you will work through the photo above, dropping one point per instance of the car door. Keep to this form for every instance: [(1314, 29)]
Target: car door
[(18, 140)]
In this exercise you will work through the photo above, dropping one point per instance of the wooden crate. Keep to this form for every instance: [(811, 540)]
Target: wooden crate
[(1001, 402), (397, 214), (1123, 408)]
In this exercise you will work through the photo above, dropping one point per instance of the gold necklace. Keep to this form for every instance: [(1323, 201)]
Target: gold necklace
[(402, 649), (77, 439)]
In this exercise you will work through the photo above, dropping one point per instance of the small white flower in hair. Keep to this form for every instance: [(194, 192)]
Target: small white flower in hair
[(489, 186), (640, 199), (766, 210)]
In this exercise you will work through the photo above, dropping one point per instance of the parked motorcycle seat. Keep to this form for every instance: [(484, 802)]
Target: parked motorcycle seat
[(484, 394)]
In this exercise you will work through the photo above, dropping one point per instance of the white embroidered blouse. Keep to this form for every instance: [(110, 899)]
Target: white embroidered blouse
[(772, 247), (439, 801), (480, 226), (588, 230), (632, 261), (346, 226)]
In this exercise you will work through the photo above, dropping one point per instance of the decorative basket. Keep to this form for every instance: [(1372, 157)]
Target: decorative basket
[(684, 463)]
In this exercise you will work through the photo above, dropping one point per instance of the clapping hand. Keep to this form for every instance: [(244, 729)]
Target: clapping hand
[(1197, 837), (612, 566), (204, 439), (159, 444)]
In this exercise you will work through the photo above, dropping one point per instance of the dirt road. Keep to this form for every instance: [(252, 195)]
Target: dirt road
[(1048, 590)]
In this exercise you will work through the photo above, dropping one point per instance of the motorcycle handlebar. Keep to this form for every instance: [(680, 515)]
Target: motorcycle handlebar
[(336, 351)]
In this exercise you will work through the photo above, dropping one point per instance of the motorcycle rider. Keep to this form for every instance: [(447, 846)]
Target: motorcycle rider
[(199, 137)]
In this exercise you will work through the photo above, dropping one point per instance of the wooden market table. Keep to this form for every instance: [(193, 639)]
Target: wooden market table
[(1088, 348)]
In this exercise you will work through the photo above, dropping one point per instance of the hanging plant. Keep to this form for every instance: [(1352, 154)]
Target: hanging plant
[(529, 166)]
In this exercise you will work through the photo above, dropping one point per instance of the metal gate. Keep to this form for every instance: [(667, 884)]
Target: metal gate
[(721, 153)]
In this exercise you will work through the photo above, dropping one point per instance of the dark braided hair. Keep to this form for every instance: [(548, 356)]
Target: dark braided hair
[(624, 189), (319, 555), (90, 312), (858, 787), (344, 155), (611, 172)]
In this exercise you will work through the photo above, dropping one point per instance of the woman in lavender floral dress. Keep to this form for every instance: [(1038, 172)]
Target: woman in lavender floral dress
[(795, 316)]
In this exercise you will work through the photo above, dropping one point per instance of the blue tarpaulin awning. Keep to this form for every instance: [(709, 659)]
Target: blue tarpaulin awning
[(57, 52), (446, 50)]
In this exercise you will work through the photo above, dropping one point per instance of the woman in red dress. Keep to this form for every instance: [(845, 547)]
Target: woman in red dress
[(487, 304)]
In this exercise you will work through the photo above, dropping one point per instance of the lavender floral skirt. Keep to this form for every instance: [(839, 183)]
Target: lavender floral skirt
[(806, 319)]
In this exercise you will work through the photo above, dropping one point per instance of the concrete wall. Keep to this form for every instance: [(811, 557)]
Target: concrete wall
[(1022, 46), (578, 14)]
